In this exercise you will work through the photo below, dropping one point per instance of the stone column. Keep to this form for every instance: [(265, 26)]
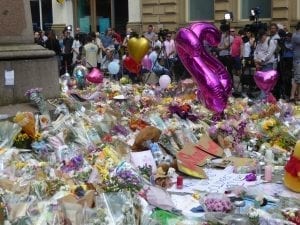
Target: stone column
[(135, 15), (32, 65), (62, 15)]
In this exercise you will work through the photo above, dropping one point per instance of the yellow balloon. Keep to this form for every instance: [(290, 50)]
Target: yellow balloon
[(138, 48)]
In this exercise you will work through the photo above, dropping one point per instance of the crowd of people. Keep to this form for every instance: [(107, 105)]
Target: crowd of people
[(242, 52), (263, 49)]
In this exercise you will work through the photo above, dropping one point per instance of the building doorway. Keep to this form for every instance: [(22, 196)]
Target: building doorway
[(98, 15)]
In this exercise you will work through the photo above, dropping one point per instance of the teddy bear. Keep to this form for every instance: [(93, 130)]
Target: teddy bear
[(149, 133), (292, 170)]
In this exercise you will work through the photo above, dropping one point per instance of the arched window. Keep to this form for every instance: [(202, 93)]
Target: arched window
[(200, 10)]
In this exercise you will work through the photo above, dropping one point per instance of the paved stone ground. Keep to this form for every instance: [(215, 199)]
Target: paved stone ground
[(11, 110), (8, 111)]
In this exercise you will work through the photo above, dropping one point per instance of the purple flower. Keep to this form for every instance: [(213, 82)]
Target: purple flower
[(250, 177), (33, 90), (212, 130)]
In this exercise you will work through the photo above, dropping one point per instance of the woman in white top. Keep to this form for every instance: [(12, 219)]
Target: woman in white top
[(98, 42), (75, 48)]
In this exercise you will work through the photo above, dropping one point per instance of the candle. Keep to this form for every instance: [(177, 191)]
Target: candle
[(179, 183), (268, 173)]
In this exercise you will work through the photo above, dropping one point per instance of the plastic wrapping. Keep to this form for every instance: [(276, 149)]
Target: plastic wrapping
[(8, 132)]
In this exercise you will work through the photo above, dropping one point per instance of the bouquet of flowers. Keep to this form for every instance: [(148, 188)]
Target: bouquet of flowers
[(217, 203)]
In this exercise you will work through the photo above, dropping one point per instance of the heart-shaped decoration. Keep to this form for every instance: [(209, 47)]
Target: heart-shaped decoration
[(131, 65), (266, 80), (95, 76), (138, 48)]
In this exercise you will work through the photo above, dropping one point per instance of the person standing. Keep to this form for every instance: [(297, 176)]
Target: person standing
[(224, 48), (100, 46), (53, 44), (296, 63), (264, 54), (236, 52), (286, 62), (170, 51), (149, 35), (274, 36), (156, 42), (90, 53), (107, 40), (76, 49), (67, 52)]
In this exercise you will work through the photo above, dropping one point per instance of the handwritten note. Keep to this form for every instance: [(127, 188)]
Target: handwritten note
[(218, 181), (9, 76), (140, 159)]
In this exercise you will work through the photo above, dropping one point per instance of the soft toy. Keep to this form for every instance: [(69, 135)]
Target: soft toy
[(149, 133), (292, 170)]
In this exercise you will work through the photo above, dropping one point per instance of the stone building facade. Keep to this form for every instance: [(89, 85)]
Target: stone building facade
[(171, 14)]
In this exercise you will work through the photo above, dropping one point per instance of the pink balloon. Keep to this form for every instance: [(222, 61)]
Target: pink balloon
[(213, 80), (147, 63), (266, 80), (95, 76)]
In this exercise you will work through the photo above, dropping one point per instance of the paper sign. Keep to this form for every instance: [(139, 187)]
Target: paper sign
[(9, 77), (140, 159)]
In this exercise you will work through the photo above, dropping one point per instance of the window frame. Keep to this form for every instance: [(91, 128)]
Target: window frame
[(188, 13), (239, 7), (298, 10)]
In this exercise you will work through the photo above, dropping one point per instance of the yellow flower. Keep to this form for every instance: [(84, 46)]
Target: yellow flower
[(38, 136), (20, 165), (268, 124)]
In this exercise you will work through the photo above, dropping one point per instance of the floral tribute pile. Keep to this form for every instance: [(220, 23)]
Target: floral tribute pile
[(76, 164)]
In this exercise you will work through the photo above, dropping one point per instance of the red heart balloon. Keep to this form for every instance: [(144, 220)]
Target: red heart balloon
[(131, 65)]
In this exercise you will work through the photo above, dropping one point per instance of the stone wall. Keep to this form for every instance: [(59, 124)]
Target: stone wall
[(160, 13), (29, 73), (172, 14)]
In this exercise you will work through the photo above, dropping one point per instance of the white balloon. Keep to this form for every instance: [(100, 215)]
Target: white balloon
[(164, 81)]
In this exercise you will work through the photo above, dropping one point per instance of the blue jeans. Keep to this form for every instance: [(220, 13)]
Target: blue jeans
[(161, 71)]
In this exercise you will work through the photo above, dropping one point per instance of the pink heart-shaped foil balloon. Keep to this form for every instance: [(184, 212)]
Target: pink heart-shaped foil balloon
[(266, 80), (95, 76)]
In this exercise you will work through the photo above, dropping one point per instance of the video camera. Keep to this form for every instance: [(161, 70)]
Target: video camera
[(224, 27), (162, 34)]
